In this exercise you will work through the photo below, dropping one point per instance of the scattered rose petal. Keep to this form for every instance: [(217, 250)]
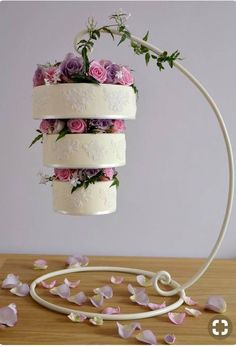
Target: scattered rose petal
[(8, 315), (111, 310), (48, 285), (77, 317), (193, 312), (77, 260), (143, 281), (72, 284), (176, 318), (189, 301), (117, 279), (153, 306), (2, 326), (40, 264), (169, 339), (147, 336), (20, 290), (134, 290), (78, 299), (216, 303), (105, 291), (140, 298), (96, 320), (63, 291), (127, 330), (97, 300), (10, 281)]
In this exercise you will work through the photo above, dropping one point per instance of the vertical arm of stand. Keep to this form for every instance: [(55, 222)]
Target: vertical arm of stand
[(163, 276)]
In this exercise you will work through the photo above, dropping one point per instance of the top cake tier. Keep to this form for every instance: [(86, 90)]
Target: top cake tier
[(84, 100)]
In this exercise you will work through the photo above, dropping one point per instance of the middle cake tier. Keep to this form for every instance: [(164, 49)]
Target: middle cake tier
[(84, 150)]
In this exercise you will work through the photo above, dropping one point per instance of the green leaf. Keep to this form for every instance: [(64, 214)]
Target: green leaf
[(145, 38), (123, 38), (37, 138), (147, 58), (115, 182), (62, 133), (108, 31)]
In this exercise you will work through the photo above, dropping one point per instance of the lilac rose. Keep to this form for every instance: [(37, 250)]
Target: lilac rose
[(101, 124), (70, 66), (112, 72), (91, 172)]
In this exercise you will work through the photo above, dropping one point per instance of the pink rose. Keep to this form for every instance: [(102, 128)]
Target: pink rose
[(52, 75), (58, 126), (125, 77), (118, 126), (97, 71), (77, 126), (108, 173), (46, 126), (39, 75), (63, 175)]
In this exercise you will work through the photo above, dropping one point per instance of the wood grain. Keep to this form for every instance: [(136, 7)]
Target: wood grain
[(37, 325)]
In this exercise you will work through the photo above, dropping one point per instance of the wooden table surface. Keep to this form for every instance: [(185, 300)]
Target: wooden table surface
[(37, 325)]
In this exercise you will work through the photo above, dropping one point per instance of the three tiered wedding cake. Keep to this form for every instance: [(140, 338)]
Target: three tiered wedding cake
[(82, 129)]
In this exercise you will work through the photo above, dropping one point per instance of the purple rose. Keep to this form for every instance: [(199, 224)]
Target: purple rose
[(71, 65), (39, 75), (100, 124), (112, 71), (105, 63), (91, 172)]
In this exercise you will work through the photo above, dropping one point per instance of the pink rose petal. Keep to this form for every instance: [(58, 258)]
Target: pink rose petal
[(143, 281), (106, 291), (153, 306), (77, 317), (127, 330), (40, 264), (140, 298), (72, 284), (111, 310), (78, 299), (134, 290), (117, 279), (48, 285), (147, 336), (63, 291), (176, 318), (189, 301), (170, 339), (216, 303), (77, 260), (97, 300), (193, 312), (8, 315), (10, 281), (20, 290)]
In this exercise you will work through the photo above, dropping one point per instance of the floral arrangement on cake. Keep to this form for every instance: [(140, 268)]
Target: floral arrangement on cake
[(82, 177), (78, 126), (73, 70)]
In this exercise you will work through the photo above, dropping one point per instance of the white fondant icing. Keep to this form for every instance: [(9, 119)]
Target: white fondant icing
[(84, 100), (98, 198), (84, 150)]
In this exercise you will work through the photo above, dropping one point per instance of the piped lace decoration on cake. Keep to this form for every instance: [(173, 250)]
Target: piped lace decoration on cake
[(79, 99)]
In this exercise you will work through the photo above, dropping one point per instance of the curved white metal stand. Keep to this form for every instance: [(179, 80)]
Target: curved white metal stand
[(162, 276)]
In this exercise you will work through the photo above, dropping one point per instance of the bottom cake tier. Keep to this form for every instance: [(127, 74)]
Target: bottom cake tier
[(97, 199)]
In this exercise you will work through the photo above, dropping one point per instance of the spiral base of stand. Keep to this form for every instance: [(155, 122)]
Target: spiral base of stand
[(162, 277)]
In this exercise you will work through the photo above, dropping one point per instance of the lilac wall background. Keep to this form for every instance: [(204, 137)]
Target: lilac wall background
[(173, 188)]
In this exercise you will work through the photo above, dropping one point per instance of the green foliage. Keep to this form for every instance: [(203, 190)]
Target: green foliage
[(115, 182), (120, 19), (37, 138), (62, 133)]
